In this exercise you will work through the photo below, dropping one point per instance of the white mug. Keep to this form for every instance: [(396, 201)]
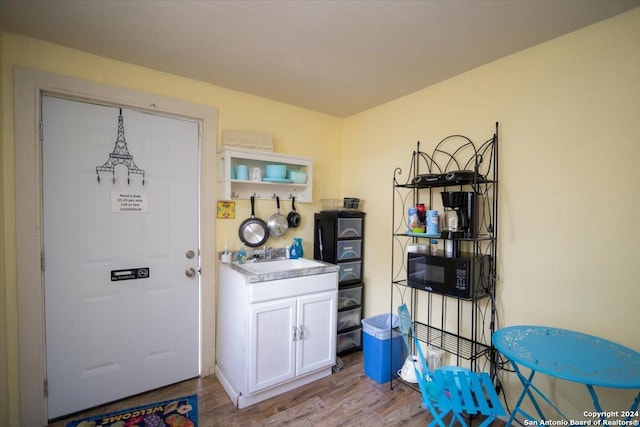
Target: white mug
[(256, 174)]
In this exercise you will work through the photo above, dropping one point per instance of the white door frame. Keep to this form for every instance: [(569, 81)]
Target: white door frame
[(29, 87)]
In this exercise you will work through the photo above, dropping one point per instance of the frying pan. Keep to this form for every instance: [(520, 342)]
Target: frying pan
[(294, 217), (253, 231), (278, 222)]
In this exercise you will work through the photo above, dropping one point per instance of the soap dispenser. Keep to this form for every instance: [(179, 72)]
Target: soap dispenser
[(242, 255), (296, 248), (295, 251)]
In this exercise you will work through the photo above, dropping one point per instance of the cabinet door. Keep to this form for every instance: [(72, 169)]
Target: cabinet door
[(272, 343), (317, 337)]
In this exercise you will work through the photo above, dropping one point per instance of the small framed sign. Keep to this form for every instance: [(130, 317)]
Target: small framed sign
[(247, 140), (226, 210), (130, 274)]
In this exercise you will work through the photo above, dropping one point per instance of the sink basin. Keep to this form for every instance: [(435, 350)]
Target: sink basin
[(265, 271), (280, 265)]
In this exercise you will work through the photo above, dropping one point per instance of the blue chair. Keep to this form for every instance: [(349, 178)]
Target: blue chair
[(451, 389)]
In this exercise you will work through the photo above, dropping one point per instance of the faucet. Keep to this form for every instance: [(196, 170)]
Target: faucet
[(267, 253)]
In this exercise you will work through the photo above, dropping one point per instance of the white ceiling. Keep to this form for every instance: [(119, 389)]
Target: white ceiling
[(335, 57)]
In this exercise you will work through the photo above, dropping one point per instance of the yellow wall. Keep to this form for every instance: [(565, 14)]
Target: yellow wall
[(296, 131), (570, 146), (569, 156)]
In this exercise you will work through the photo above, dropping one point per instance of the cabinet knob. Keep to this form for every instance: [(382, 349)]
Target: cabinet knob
[(190, 272)]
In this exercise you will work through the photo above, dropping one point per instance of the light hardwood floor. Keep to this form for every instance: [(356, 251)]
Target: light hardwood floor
[(346, 398)]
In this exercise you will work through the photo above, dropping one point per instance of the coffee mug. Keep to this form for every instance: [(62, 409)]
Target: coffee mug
[(256, 174), (243, 172)]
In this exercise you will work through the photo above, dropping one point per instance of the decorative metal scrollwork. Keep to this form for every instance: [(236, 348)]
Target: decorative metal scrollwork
[(120, 156)]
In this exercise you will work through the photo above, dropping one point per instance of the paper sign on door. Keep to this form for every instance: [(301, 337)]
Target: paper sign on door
[(129, 202)]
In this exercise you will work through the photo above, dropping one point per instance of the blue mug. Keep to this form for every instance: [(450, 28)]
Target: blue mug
[(243, 173)]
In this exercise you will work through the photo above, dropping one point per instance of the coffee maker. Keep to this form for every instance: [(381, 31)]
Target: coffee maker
[(460, 216)]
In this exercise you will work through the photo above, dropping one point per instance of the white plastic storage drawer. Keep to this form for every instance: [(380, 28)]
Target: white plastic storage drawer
[(349, 319), (349, 271), (349, 340), (349, 249), (351, 297), (349, 227)]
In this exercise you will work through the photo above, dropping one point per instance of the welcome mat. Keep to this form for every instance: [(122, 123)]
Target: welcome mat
[(179, 412)]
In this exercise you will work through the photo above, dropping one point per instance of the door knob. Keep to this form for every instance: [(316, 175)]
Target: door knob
[(190, 272)]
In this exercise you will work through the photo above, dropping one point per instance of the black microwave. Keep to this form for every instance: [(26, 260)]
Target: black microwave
[(465, 276)]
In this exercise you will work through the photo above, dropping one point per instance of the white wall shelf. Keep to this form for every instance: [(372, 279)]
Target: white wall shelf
[(231, 189)]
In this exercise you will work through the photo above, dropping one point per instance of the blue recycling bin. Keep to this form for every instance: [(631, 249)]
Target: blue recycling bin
[(382, 347)]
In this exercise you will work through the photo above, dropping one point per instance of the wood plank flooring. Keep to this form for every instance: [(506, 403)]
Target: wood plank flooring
[(346, 398)]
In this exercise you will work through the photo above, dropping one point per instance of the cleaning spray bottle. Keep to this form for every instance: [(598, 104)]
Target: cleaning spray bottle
[(296, 248), (293, 251)]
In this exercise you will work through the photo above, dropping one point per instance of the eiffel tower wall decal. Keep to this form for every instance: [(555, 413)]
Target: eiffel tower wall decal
[(120, 156)]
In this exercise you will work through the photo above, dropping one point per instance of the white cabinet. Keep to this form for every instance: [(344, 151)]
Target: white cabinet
[(274, 336), (273, 355), (230, 188), (305, 345)]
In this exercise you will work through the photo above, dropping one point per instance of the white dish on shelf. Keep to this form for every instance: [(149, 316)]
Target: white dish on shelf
[(284, 180)]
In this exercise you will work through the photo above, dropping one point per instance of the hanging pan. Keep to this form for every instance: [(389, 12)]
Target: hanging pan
[(294, 217), (278, 223), (253, 231)]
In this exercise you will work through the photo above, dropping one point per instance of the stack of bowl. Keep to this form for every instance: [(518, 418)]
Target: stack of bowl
[(297, 177), (275, 171), (281, 172)]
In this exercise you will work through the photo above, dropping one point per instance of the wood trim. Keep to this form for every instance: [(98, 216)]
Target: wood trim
[(29, 86)]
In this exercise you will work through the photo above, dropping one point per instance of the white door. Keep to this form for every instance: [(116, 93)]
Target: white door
[(317, 332), (272, 342), (122, 316)]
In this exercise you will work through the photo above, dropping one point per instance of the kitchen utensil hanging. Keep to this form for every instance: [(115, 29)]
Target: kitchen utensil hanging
[(294, 217), (278, 223), (253, 231)]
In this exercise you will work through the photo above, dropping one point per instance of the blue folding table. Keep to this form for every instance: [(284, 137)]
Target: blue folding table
[(571, 356)]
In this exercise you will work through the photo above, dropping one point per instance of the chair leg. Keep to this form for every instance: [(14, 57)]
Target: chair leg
[(438, 419), (460, 419), (488, 421)]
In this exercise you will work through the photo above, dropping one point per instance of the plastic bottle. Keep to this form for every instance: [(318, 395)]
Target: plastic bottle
[(298, 242), (413, 222), (242, 255), (225, 258), (293, 251), (434, 247)]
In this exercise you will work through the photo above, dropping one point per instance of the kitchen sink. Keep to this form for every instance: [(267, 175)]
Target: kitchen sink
[(282, 268), (280, 265)]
